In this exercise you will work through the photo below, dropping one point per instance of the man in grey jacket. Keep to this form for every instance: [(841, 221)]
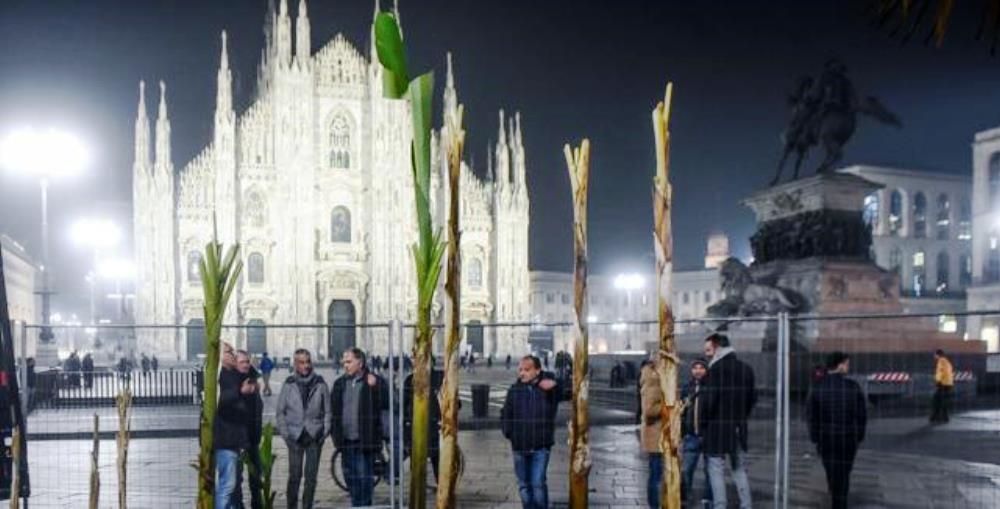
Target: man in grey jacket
[(303, 420)]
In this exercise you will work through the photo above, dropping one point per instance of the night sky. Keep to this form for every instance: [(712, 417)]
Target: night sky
[(573, 69)]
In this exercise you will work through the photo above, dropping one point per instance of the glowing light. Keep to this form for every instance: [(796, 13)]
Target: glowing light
[(46, 153)]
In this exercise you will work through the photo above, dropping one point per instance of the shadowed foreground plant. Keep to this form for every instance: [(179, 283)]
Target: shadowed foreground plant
[(95, 474), (454, 139), (578, 164), (218, 279), (124, 402), (428, 250), (667, 360), (267, 457)]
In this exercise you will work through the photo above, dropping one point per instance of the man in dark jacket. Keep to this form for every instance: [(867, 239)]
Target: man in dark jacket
[(691, 432), (837, 420), (255, 424), (528, 421), (356, 403), (729, 397), (434, 418), (230, 429)]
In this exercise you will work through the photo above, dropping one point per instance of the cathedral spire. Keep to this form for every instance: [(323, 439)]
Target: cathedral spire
[(450, 95), (224, 82), (503, 157), (395, 13), (162, 132), (142, 131), (283, 48), (518, 149), (303, 45)]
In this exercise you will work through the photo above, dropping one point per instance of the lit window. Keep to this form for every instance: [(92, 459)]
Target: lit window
[(340, 142), (340, 225), (255, 268), (943, 217), (895, 213), (919, 216)]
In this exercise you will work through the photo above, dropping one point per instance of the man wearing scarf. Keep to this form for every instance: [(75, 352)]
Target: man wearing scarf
[(303, 420)]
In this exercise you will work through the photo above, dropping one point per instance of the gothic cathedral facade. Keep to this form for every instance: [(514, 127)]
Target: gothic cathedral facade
[(313, 181)]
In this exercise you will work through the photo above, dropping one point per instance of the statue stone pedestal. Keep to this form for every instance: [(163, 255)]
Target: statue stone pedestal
[(812, 245)]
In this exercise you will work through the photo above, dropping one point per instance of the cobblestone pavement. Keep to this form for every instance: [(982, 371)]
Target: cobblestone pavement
[(160, 475)]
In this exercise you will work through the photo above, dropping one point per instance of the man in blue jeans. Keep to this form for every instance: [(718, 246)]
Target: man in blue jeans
[(357, 400), (231, 428), (528, 421), (690, 421)]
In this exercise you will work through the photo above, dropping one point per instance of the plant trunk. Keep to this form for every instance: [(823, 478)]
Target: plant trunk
[(124, 428), (578, 162), (95, 474), (15, 460), (450, 453), (667, 360), (421, 393)]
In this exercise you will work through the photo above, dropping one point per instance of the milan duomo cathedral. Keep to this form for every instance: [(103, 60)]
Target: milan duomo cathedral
[(313, 181)]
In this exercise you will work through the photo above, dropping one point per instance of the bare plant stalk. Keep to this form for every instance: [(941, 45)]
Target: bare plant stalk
[(578, 163), (667, 360), (95, 473), (124, 400), (450, 453), (15, 461)]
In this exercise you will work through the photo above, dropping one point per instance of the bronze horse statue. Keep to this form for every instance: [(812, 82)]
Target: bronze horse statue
[(824, 111)]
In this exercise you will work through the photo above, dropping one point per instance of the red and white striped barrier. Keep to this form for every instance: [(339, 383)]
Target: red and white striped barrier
[(890, 377)]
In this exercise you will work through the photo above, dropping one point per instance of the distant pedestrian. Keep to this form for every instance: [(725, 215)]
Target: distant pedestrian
[(357, 400), (944, 382), (88, 371), (303, 419), (545, 360), (506, 363), (154, 363), (472, 362), (528, 421), (730, 396), (837, 420), (266, 367), (145, 365), (489, 361)]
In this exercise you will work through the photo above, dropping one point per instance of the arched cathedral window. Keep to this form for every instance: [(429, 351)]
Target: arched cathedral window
[(340, 142), (255, 268), (256, 210), (340, 225), (475, 273), (193, 264), (919, 216)]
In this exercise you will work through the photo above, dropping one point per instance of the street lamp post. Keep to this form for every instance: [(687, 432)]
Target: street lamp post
[(47, 154), (97, 235), (629, 283)]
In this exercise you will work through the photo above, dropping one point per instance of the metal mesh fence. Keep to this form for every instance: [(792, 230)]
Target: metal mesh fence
[(504, 422)]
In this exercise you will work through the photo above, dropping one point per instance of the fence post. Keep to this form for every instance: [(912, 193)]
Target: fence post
[(779, 411), (786, 401)]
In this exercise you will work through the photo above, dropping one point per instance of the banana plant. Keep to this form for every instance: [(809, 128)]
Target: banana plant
[(454, 139), (218, 279), (124, 403), (429, 249), (267, 458), (578, 164), (667, 360)]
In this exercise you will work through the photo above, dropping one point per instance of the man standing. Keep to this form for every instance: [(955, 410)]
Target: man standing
[(266, 367), (837, 419), (154, 363), (255, 422), (690, 424), (528, 421), (88, 371), (944, 381), (144, 363), (356, 402), (729, 398), (230, 428), (303, 415)]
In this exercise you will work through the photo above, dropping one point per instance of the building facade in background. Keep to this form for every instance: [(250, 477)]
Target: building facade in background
[(21, 278), (313, 181), (984, 294)]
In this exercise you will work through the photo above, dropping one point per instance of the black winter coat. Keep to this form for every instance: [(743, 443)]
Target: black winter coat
[(434, 412), (729, 397), (230, 427), (837, 412), (372, 400), (528, 415)]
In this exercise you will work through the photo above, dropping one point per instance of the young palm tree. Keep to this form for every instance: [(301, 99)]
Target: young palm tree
[(667, 361), (454, 139), (95, 474), (428, 249), (578, 163), (218, 279), (124, 402)]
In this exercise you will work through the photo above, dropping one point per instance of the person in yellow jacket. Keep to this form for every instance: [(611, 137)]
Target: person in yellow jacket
[(944, 380)]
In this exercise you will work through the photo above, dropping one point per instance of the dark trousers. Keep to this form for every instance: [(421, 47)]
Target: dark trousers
[(358, 466), (838, 460), (941, 403), (308, 449)]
